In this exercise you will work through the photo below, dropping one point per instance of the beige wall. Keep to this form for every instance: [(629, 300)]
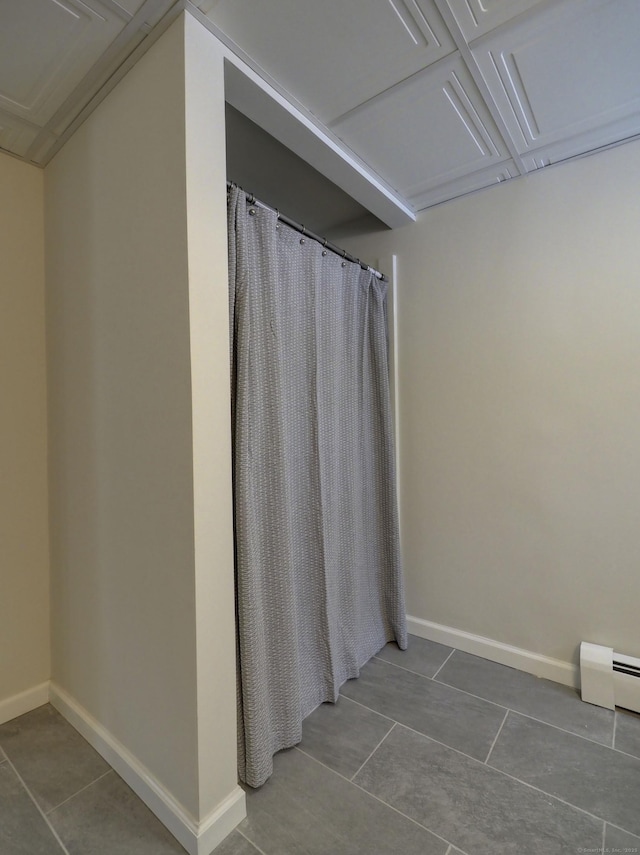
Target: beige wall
[(519, 382), (24, 546), (129, 494)]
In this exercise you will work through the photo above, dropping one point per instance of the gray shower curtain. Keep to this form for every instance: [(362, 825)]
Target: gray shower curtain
[(318, 576)]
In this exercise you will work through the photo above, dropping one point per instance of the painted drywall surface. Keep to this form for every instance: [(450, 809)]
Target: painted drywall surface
[(210, 386), (519, 382), (24, 544), (121, 463)]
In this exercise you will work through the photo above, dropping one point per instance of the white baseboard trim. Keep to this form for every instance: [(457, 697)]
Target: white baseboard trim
[(515, 657), (198, 838), (221, 821), (24, 702)]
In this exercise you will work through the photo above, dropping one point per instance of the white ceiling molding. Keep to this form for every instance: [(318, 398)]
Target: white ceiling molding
[(598, 139), (141, 31), (16, 135), (130, 6), (466, 184), (402, 103)]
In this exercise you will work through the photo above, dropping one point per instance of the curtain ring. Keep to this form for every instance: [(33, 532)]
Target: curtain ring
[(344, 253)]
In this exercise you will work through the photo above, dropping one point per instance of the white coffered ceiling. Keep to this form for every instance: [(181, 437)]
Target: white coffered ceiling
[(438, 97)]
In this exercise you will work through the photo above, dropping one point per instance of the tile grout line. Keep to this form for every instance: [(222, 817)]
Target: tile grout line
[(620, 751), (81, 790), (548, 795), (482, 763), (509, 709), (39, 809), (604, 834), (410, 670), (362, 765), (375, 797), (470, 694), (426, 736), (619, 828), (440, 683), (578, 735), (357, 703), (242, 834), (443, 664), (615, 727), (495, 768), (486, 762), (493, 703)]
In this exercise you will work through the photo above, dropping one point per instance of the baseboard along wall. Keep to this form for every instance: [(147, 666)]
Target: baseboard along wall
[(515, 657), (24, 702), (198, 838), (201, 838)]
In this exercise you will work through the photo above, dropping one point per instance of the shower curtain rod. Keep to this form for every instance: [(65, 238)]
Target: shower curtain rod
[(304, 231)]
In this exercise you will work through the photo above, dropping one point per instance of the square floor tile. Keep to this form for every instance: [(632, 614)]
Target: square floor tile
[(476, 808), (628, 732), (50, 756), (422, 656), (108, 818), (541, 699), (591, 776), (343, 735), (306, 809), (455, 718), (23, 831)]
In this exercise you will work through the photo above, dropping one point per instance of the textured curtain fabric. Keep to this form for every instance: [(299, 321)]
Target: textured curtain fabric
[(319, 583)]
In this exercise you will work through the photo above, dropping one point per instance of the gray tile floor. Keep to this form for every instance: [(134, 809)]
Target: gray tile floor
[(430, 752)]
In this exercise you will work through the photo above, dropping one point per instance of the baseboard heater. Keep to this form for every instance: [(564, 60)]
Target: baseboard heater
[(609, 679)]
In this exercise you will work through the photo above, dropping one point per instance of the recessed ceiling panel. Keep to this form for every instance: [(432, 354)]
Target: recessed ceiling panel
[(430, 129), (46, 47), (332, 56), (477, 17), (566, 71)]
